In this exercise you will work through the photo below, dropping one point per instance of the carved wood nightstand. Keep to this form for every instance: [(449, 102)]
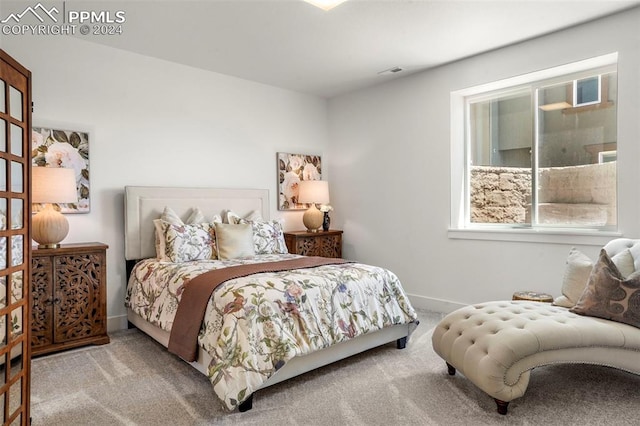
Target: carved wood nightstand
[(68, 297), (322, 243)]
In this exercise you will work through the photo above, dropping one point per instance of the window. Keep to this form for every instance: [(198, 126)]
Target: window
[(538, 151), (587, 91)]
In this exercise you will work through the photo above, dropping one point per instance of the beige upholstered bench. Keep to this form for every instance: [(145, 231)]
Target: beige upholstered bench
[(497, 344)]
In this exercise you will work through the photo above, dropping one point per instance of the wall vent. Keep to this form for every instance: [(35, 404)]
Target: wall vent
[(393, 70)]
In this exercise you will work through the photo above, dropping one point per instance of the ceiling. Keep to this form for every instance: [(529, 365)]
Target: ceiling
[(294, 45)]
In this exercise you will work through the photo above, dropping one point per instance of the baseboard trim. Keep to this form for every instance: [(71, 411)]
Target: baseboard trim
[(433, 304), (117, 323)]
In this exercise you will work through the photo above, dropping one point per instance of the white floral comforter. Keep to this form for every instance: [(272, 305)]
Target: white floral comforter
[(253, 325)]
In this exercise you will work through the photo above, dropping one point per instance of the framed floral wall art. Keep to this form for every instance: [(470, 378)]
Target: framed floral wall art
[(293, 168), (68, 149)]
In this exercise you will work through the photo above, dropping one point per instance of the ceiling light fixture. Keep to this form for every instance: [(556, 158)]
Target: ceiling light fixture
[(325, 4)]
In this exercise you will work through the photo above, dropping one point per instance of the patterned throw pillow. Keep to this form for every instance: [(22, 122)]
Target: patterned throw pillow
[(268, 237), (184, 243), (168, 215), (608, 295), (578, 270)]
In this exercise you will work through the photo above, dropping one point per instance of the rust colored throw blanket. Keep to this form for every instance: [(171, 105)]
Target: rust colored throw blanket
[(183, 340)]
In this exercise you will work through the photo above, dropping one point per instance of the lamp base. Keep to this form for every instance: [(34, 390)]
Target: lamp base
[(312, 219), (49, 227), (48, 246)]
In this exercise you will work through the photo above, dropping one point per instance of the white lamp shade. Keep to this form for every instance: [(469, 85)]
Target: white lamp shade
[(313, 191), (53, 185)]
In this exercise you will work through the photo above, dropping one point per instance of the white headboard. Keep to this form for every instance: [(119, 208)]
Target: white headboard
[(143, 204)]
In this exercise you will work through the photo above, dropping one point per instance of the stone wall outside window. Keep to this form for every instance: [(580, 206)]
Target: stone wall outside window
[(573, 195)]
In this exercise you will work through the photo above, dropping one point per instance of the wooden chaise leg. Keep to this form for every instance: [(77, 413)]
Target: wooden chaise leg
[(246, 405), (502, 406), (452, 369), (401, 343)]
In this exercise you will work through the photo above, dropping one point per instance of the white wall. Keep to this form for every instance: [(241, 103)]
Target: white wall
[(153, 122), (390, 151)]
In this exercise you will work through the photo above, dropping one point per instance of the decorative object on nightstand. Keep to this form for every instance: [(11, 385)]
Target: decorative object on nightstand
[(326, 221), (532, 296), (69, 297), (324, 244), (313, 192), (51, 185)]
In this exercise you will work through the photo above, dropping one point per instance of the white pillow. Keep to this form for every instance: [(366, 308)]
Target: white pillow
[(233, 218), (577, 271), (625, 263), (196, 216), (576, 275), (234, 241)]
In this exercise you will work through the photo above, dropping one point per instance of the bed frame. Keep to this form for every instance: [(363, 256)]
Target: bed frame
[(145, 203)]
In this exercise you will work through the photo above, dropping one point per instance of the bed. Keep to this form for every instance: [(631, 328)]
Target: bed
[(259, 329)]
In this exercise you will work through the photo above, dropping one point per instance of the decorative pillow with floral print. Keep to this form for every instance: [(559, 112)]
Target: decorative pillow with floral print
[(268, 237), (184, 243), (168, 215)]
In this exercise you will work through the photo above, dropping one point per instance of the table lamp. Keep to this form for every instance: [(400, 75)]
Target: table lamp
[(313, 192), (51, 185)]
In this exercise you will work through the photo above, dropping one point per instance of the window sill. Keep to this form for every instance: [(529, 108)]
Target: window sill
[(547, 236), (593, 107)]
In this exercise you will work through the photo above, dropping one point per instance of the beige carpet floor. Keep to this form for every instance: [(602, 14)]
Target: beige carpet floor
[(134, 381)]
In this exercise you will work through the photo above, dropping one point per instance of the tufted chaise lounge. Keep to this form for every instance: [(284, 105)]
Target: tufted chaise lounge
[(497, 344)]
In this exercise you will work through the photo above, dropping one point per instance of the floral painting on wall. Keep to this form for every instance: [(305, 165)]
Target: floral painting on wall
[(68, 149), (293, 168)]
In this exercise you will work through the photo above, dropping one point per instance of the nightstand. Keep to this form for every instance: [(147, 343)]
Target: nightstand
[(321, 243), (68, 297)]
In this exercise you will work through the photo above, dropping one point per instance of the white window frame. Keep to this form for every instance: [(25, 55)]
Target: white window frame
[(575, 93), (460, 227)]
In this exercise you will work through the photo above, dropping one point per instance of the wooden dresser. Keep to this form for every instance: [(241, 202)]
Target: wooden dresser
[(68, 297), (321, 243)]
